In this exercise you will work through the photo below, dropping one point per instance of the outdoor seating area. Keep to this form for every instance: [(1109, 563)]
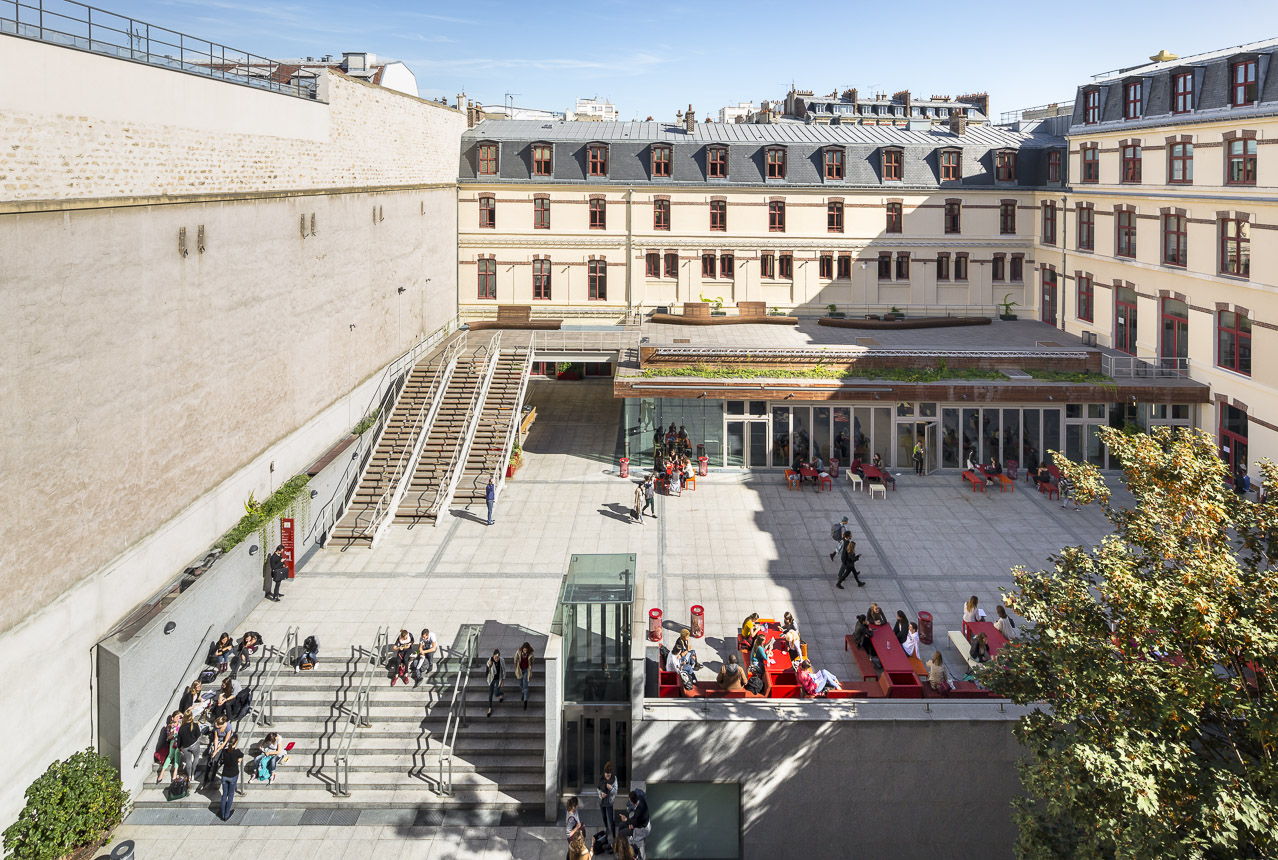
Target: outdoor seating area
[(516, 317)]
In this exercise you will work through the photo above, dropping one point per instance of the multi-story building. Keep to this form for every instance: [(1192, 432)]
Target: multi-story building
[(740, 112), (1163, 246), (592, 110)]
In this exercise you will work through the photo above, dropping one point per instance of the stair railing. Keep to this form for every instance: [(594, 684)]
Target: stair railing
[(456, 710), (512, 432), (359, 716), (263, 712)]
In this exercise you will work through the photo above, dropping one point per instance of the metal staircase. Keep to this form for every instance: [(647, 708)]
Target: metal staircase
[(497, 428)]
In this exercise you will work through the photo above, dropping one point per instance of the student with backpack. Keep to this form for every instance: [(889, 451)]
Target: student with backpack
[(310, 653), (271, 754), (495, 674), (424, 661), (836, 534)]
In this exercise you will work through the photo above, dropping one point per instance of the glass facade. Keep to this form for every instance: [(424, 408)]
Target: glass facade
[(593, 616)]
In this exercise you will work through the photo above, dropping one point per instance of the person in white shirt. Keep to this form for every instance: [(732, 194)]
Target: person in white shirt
[(911, 643), (1003, 623), (972, 612)]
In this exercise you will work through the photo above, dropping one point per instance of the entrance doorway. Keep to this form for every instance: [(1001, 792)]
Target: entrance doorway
[(916, 432), (593, 736), (747, 444)]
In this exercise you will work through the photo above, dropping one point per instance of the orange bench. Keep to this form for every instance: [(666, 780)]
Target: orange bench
[(1008, 483)]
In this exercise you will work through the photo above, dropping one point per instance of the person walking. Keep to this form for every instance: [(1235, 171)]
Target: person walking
[(849, 558), (637, 508), (1066, 489), (918, 458), (523, 670), (495, 670), (490, 496), (836, 534), (279, 571), (649, 497), (607, 796), (231, 758)]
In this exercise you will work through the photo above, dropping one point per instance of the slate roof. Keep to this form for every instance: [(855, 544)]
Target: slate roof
[(630, 145), (1212, 94)]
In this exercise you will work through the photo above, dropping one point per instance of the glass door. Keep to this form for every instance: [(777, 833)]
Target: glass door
[(756, 444), (734, 443), (930, 434)]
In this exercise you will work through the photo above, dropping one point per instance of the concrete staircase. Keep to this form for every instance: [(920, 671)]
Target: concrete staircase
[(502, 405), (498, 762)]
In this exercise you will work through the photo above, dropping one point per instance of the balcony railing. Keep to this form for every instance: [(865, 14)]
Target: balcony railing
[(1131, 367)]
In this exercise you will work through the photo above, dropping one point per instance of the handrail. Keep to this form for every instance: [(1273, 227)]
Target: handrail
[(512, 432), (1130, 366), (359, 717), (149, 744), (263, 713), (456, 712)]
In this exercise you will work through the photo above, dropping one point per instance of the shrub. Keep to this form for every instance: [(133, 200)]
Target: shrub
[(74, 804), (258, 515)]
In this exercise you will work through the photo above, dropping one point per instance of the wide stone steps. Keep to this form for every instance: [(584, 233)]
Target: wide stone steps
[(421, 794)]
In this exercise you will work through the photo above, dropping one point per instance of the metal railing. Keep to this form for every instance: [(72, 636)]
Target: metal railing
[(1063, 107), (853, 311), (148, 744), (263, 712), (1131, 367), (512, 432), (456, 711), (88, 28), (358, 716), (584, 341)]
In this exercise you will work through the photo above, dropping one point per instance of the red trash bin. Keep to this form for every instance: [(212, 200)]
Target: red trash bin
[(925, 628), (834, 467), (703, 466), (625, 467), (698, 621), (654, 625)]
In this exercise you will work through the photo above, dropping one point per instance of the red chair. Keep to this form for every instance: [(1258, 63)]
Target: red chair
[(827, 483)]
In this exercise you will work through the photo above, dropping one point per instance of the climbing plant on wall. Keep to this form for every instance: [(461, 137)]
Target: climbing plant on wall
[(290, 500)]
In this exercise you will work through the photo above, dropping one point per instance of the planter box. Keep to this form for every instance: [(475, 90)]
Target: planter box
[(510, 471), (570, 375), (872, 316), (718, 313), (837, 315), (1007, 317)]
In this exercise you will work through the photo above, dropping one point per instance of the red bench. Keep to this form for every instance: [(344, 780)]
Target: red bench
[(863, 661), (1052, 490), (1006, 482), (976, 480)]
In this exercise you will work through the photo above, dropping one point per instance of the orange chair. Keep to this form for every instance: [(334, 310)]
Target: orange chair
[(792, 478), (690, 482)]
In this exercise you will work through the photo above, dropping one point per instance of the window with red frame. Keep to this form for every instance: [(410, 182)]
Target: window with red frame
[(1180, 163), (785, 266), (1175, 240), (892, 165), (1091, 107), (951, 165), (542, 160), (541, 280), (597, 280), (718, 215), (902, 267), (672, 265), (885, 267), (1235, 247), (953, 216), (1242, 76), (488, 159), (652, 265), (767, 266), (960, 267), (998, 267), (845, 267), (1086, 227), (487, 279), (1241, 155), (598, 160), (1233, 436), (1233, 342), (1007, 217), (1132, 99), (894, 218), (1085, 298), (775, 158), (1173, 345), (707, 266), (825, 267), (1053, 165), (1125, 226), (727, 266), (487, 212), (834, 164), (598, 214), (1131, 157), (942, 267), (1089, 157), (776, 216), (541, 213), (834, 216), (1125, 320), (1049, 222), (1016, 271), (661, 214), (717, 162), (661, 161), (1183, 92), (1005, 166)]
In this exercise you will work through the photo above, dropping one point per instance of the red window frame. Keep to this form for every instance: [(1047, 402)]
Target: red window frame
[(1175, 240), (1132, 93), (1005, 166), (718, 215), (885, 267), (834, 216), (942, 267), (597, 159), (1007, 219), (1048, 289), (844, 271), (1173, 338), (767, 267), (1242, 77), (717, 162), (1235, 247), (1091, 106), (1125, 233), (487, 212), (661, 157), (541, 280), (1086, 227), (834, 163), (597, 280), (998, 268), (1089, 159), (1016, 272), (951, 165), (1053, 165), (1131, 158), (543, 159), (776, 216), (488, 159), (1180, 163), (707, 265), (661, 214), (1183, 92), (892, 165), (902, 266), (775, 160), (727, 266), (1240, 161), (541, 213), (598, 213), (1233, 342), (960, 266), (487, 272), (1233, 446), (670, 264), (1084, 298), (895, 218), (825, 267), (1049, 222), (652, 264), (785, 266), (953, 216), (1125, 320)]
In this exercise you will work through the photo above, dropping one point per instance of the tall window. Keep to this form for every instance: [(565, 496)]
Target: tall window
[(598, 214), (1242, 162), (885, 267), (1047, 302), (718, 215), (951, 165), (672, 265), (542, 159), (1007, 217), (1131, 162), (775, 158), (1091, 107), (1173, 341), (717, 162), (953, 216), (892, 165), (707, 265), (834, 164), (894, 218), (845, 267), (652, 265), (1233, 342), (1242, 74), (1183, 92), (1125, 239), (541, 213), (488, 159), (767, 266), (726, 266), (597, 160), (834, 216), (776, 216), (1131, 100), (902, 267), (1233, 436), (1235, 247), (597, 280), (1125, 320), (960, 266), (661, 214), (1049, 222), (1086, 227), (1053, 165), (661, 161), (1016, 271), (825, 267), (1175, 240), (1090, 159), (942, 267), (1085, 297), (487, 212), (1180, 163), (487, 279), (785, 266), (1005, 166), (998, 267), (541, 280)]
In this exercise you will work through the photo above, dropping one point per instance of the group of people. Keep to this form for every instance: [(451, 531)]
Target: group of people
[(412, 657), (495, 674), (858, 468), (623, 834), (846, 552)]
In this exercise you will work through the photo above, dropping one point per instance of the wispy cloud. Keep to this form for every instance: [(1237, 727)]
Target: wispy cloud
[(634, 64)]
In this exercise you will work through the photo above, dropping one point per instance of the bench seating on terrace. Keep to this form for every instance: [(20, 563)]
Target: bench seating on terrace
[(748, 313), (516, 317)]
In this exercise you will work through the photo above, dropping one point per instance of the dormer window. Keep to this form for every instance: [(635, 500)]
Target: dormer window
[(774, 157), (597, 159), (951, 165), (1054, 160), (1242, 79), (1091, 106), (833, 158), (1182, 92), (543, 159), (1132, 93), (717, 162), (892, 159), (1005, 165), (488, 159), (661, 161)]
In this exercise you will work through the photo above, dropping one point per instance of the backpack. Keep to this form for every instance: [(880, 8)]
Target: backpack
[(687, 679), (179, 788), (240, 704), (755, 684), (664, 653), (263, 772), (836, 532), (208, 676)]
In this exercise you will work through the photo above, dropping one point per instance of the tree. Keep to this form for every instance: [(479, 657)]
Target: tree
[(73, 804), (1150, 665)]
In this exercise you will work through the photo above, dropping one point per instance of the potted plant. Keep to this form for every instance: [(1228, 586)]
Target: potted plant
[(1005, 312), (894, 314), (71, 810), (567, 370), (516, 460), (774, 312), (716, 305), (832, 310)]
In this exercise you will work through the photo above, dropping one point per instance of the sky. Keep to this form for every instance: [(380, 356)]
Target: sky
[(654, 58)]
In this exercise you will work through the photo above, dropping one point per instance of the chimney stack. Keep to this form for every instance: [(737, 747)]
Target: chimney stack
[(689, 120), (958, 123)]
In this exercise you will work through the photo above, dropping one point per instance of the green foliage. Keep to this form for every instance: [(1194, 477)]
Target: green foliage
[(716, 302), (1006, 305), (367, 421), (1150, 662), (1081, 378), (73, 804), (832, 309), (776, 312), (262, 514), (820, 371)]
